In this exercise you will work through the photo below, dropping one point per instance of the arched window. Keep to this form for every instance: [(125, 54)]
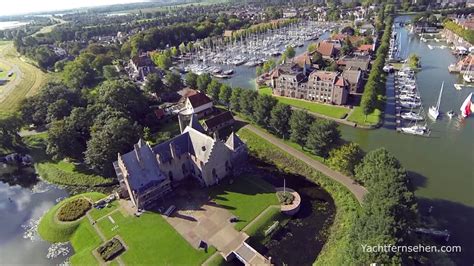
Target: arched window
[(170, 175)]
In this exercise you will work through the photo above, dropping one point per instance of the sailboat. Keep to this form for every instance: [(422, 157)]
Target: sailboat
[(467, 106), (468, 77), (433, 112)]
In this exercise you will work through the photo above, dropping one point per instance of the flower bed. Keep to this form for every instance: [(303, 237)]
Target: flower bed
[(73, 210), (111, 249)]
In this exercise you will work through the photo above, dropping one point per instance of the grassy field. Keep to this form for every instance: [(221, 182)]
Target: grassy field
[(346, 205), (246, 198), (151, 240), (357, 116), (319, 108), (61, 172), (26, 82)]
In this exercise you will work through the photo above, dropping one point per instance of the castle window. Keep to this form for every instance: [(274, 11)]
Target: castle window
[(183, 166), (170, 175)]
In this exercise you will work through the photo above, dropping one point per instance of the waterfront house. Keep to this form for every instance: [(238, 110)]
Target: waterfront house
[(198, 104), (147, 174), (289, 80), (214, 124), (354, 78), (327, 50)]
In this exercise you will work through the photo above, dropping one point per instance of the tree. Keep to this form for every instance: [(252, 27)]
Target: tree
[(190, 79), (312, 47), (347, 47), (173, 81), (262, 109), (299, 126), (110, 72), (290, 52), (280, 120), (78, 73), (235, 99), (225, 93), (117, 135), (154, 84), (323, 135), (203, 81), (9, 128), (318, 59), (182, 48), (247, 100), (333, 67), (162, 60), (174, 51), (123, 96), (345, 158), (58, 109), (213, 90)]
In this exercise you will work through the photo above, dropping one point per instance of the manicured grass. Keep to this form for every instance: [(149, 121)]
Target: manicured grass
[(246, 197), (319, 108), (151, 240), (31, 79), (346, 205), (358, 117), (52, 230), (84, 241), (61, 172)]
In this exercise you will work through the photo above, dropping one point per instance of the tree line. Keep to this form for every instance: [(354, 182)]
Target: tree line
[(375, 86)]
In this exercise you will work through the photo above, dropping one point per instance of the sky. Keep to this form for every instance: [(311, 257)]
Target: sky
[(27, 6)]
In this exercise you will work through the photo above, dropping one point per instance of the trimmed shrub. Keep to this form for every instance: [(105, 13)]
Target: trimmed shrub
[(73, 210), (111, 249), (285, 198)]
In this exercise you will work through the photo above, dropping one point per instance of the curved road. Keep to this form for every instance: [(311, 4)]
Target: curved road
[(357, 190)]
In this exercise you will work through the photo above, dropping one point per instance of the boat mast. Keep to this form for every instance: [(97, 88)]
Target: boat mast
[(439, 97)]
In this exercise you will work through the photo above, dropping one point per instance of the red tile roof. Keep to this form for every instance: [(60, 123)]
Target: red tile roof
[(365, 48), (199, 99), (326, 49)]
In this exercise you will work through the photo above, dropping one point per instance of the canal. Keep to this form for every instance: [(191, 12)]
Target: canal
[(440, 166)]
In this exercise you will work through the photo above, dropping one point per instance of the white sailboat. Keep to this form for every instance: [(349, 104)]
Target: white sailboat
[(433, 111), (467, 106), (411, 116), (415, 130)]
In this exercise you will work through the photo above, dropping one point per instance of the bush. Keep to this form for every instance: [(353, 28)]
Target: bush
[(73, 210), (285, 198), (111, 249)]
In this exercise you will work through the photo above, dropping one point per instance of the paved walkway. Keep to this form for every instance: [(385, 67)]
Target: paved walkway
[(356, 189)]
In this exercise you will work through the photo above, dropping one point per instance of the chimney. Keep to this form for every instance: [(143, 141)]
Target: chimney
[(173, 150)]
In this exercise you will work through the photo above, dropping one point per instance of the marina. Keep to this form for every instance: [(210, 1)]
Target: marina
[(226, 59), (444, 182)]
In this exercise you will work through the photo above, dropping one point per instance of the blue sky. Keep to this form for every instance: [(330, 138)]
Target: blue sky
[(26, 6)]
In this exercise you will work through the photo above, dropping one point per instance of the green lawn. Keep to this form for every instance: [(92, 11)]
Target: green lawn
[(151, 240), (97, 213), (246, 198), (358, 117), (267, 218), (61, 172), (319, 108), (84, 241), (52, 230)]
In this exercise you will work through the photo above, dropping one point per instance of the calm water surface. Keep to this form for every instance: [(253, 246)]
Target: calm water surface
[(440, 166)]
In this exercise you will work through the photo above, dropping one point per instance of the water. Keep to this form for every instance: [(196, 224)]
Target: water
[(11, 24), (440, 166), (23, 200), (307, 230)]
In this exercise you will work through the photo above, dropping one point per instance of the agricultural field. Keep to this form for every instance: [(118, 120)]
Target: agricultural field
[(26, 80)]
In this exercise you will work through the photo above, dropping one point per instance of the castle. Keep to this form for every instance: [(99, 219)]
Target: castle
[(148, 173)]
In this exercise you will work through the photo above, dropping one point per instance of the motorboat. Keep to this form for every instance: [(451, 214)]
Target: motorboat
[(451, 114), (410, 104)]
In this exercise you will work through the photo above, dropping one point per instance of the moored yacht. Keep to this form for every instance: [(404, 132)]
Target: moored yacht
[(411, 116)]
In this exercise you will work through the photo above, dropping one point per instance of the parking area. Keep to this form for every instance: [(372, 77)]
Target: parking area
[(197, 218)]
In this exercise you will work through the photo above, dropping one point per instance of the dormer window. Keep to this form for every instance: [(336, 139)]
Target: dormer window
[(203, 148)]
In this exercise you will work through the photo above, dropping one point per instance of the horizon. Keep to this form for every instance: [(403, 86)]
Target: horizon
[(22, 7)]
